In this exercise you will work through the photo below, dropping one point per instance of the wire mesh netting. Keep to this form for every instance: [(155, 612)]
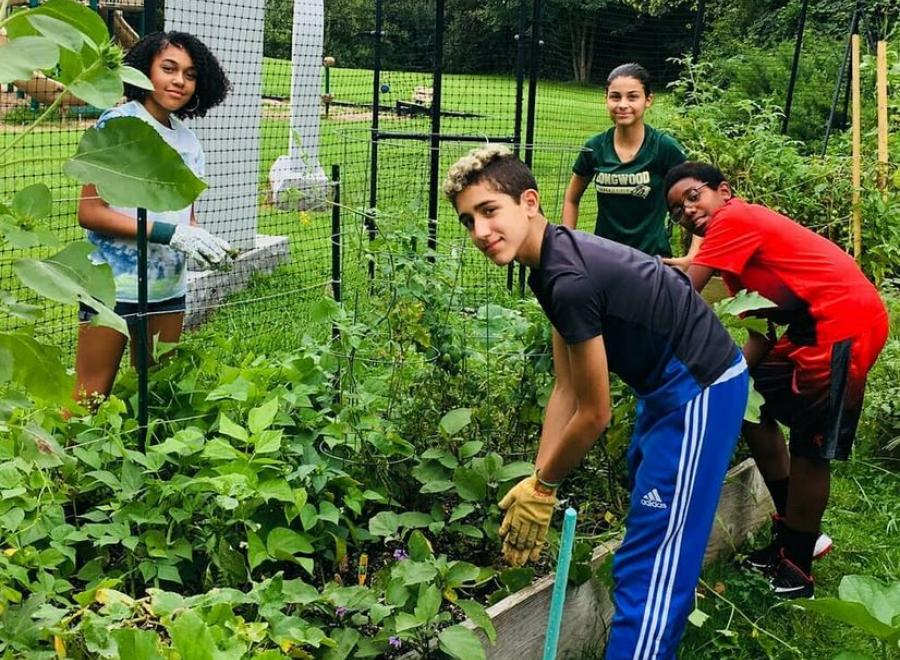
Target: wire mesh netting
[(393, 92)]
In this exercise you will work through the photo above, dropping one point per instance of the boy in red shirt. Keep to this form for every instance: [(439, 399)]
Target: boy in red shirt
[(812, 377)]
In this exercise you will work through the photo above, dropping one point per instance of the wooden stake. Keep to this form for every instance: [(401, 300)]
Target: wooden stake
[(881, 73), (855, 170)]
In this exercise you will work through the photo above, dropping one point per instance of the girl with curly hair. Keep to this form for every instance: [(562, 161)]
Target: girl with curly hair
[(187, 82)]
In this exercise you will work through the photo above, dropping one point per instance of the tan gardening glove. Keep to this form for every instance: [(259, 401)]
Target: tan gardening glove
[(529, 506)]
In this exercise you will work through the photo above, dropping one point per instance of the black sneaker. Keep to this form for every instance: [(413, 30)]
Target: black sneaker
[(789, 581), (763, 560)]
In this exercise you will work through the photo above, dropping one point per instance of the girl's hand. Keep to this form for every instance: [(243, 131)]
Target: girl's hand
[(200, 245)]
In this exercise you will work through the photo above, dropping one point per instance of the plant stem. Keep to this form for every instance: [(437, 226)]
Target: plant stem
[(735, 608), (4, 5), (21, 136), (53, 106)]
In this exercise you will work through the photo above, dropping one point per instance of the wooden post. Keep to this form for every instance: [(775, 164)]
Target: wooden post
[(855, 170), (881, 73)]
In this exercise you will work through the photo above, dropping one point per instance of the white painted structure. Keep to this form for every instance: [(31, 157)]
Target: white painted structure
[(229, 133), (297, 180)]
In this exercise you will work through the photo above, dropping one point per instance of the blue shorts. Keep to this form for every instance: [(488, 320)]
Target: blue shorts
[(678, 460), (129, 310)]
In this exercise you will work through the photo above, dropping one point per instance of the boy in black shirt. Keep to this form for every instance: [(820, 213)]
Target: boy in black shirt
[(616, 309)]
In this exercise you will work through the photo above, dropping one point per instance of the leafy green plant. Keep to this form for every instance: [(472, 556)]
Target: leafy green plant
[(865, 603)]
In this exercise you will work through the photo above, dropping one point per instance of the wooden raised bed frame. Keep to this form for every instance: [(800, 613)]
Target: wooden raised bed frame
[(521, 619)]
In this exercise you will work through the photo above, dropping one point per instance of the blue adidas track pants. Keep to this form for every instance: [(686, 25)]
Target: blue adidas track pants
[(678, 460)]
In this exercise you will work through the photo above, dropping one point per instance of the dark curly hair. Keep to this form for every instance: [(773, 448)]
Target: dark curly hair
[(212, 83)]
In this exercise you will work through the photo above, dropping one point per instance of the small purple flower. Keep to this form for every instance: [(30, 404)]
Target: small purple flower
[(395, 641), (400, 554), (340, 611)]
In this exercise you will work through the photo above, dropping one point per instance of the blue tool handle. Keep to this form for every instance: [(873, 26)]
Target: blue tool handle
[(559, 586)]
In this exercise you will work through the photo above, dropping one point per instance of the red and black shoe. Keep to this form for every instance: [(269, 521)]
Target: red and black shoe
[(765, 560), (789, 581)]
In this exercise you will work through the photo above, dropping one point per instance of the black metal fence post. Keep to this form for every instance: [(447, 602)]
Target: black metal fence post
[(335, 241), (845, 66), (141, 361), (520, 90), (795, 65), (435, 144), (698, 30), (369, 220), (536, 45)]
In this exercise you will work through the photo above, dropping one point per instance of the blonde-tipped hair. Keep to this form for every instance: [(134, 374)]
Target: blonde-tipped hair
[(493, 163)]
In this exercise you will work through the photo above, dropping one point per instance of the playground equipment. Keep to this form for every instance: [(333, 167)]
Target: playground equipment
[(297, 180)]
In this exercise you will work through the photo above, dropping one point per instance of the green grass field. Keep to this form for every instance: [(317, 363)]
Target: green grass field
[(566, 115)]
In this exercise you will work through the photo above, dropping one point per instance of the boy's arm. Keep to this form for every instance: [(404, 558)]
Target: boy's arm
[(756, 348), (574, 191), (699, 276), (562, 402), (589, 378)]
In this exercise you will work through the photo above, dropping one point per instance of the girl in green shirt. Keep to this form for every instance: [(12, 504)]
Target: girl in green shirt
[(627, 165)]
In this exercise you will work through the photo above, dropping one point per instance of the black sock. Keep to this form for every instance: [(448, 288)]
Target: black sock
[(778, 489), (798, 547)]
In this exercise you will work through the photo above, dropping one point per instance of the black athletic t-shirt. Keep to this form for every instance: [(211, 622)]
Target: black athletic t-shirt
[(661, 338)]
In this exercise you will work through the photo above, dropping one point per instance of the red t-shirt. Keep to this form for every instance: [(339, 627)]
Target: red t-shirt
[(821, 293)]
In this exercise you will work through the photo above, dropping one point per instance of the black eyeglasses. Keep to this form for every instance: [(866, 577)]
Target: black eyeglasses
[(692, 196)]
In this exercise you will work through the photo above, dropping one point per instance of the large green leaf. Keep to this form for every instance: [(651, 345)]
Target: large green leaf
[(460, 642), (880, 599), (137, 644), (76, 14), (131, 165), (853, 613), (135, 77), (470, 484), (192, 637), (69, 277), (20, 57), (261, 417), (428, 603), (59, 32), (479, 616), (384, 523), (743, 301), (102, 88), (455, 421), (33, 202), (284, 543), (37, 367)]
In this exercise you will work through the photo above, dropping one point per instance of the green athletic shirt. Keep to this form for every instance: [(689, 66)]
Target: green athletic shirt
[(630, 204)]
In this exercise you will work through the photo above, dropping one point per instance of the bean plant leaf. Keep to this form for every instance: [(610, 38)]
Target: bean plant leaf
[(517, 578), (470, 484), (261, 417), (743, 301), (469, 449), (384, 523), (284, 543), (101, 88), (20, 57), (131, 165), (478, 615), (461, 511), (515, 470), (755, 402), (428, 603), (419, 547), (33, 202), (455, 421), (460, 642), (192, 637), (136, 644)]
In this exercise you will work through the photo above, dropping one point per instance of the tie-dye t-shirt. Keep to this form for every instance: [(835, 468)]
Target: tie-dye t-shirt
[(166, 267)]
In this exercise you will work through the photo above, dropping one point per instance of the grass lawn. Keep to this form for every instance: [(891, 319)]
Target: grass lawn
[(864, 520), (566, 115)]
